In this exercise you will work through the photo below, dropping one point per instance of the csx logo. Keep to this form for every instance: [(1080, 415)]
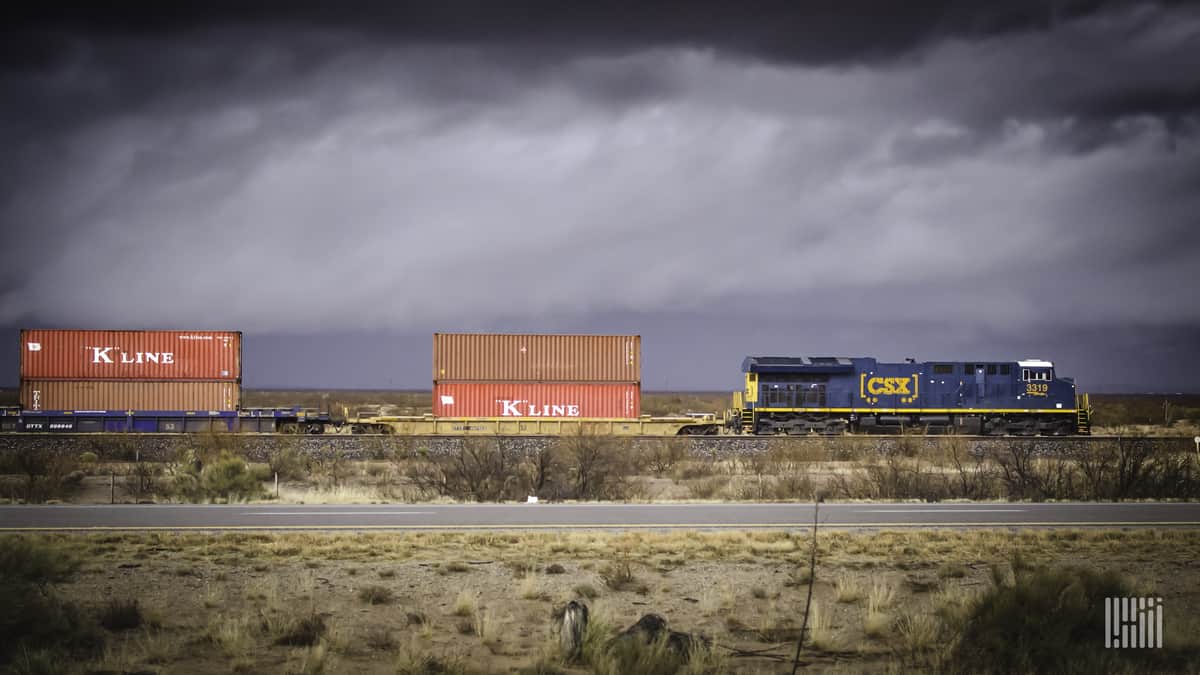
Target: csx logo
[(870, 389), (888, 385)]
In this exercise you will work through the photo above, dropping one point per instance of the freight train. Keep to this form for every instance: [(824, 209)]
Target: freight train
[(529, 385)]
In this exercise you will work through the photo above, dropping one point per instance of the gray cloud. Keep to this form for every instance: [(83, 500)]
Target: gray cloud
[(1004, 179)]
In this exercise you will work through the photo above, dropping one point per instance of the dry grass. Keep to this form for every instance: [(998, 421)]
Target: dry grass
[(821, 635), (232, 633), (246, 591), (487, 628), (531, 588), (341, 494), (380, 639), (466, 604), (917, 633), (848, 588), (876, 621), (882, 595)]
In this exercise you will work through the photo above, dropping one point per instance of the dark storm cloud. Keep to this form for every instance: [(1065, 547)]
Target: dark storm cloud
[(824, 31), (996, 177)]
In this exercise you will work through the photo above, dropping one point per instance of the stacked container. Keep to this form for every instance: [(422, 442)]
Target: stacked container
[(98, 370), (507, 375)]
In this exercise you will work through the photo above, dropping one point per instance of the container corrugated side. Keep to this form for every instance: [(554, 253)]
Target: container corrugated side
[(130, 355), (526, 399), (117, 395), (491, 357)]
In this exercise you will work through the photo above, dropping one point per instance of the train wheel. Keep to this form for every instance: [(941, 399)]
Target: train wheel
[(836, 428)]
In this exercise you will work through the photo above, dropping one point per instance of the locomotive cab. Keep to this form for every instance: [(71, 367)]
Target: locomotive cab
[(1037, 382)]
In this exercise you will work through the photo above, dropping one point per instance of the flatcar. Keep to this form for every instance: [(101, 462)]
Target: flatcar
[(243, 420), (804, 395)]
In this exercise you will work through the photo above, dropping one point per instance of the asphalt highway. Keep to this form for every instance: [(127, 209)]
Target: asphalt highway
[(592, 516)]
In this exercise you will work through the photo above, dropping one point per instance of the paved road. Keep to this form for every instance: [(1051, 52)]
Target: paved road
[(568, 516)]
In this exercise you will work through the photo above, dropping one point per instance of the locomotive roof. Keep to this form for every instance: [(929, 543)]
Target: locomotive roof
[(841, 363), (799, 360)]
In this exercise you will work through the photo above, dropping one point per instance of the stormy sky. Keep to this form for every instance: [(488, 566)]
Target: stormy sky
[(934, 180)]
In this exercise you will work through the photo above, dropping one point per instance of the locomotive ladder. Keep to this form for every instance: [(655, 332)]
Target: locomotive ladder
[(1083, 415), (748, 421)]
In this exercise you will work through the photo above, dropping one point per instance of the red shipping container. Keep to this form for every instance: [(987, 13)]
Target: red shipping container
[(492, 357), (527, 399), (131, 355), (118, 395)]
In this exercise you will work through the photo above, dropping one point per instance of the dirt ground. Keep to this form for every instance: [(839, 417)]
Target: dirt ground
[(216, 603)]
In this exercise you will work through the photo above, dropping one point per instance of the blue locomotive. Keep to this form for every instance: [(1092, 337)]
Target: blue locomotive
[(802, 395)]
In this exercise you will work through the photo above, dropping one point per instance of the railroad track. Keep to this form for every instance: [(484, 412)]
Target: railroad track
[(777, 438)]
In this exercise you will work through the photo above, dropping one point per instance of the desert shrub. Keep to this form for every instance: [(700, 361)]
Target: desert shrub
[(481, 469), (375, 595), (303, 631), (88, 458), (120, 615), (214, 445), (707, 488), (546, 472), (229, 478), (33, 620), (619, 576), (598, 466), (661, 455), (975, 474), (1027, 473), (791, 484), (330, 467), (115, 448), (691, 470), (141, 478), (1049, 620), (1134, 468), (47, 474), (285, 460), (894, 476), (261, 472), (380, 639)]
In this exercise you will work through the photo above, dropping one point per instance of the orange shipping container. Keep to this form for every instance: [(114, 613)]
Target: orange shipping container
[(110, 395), (490, 357), (131, 355), (526, 399)]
